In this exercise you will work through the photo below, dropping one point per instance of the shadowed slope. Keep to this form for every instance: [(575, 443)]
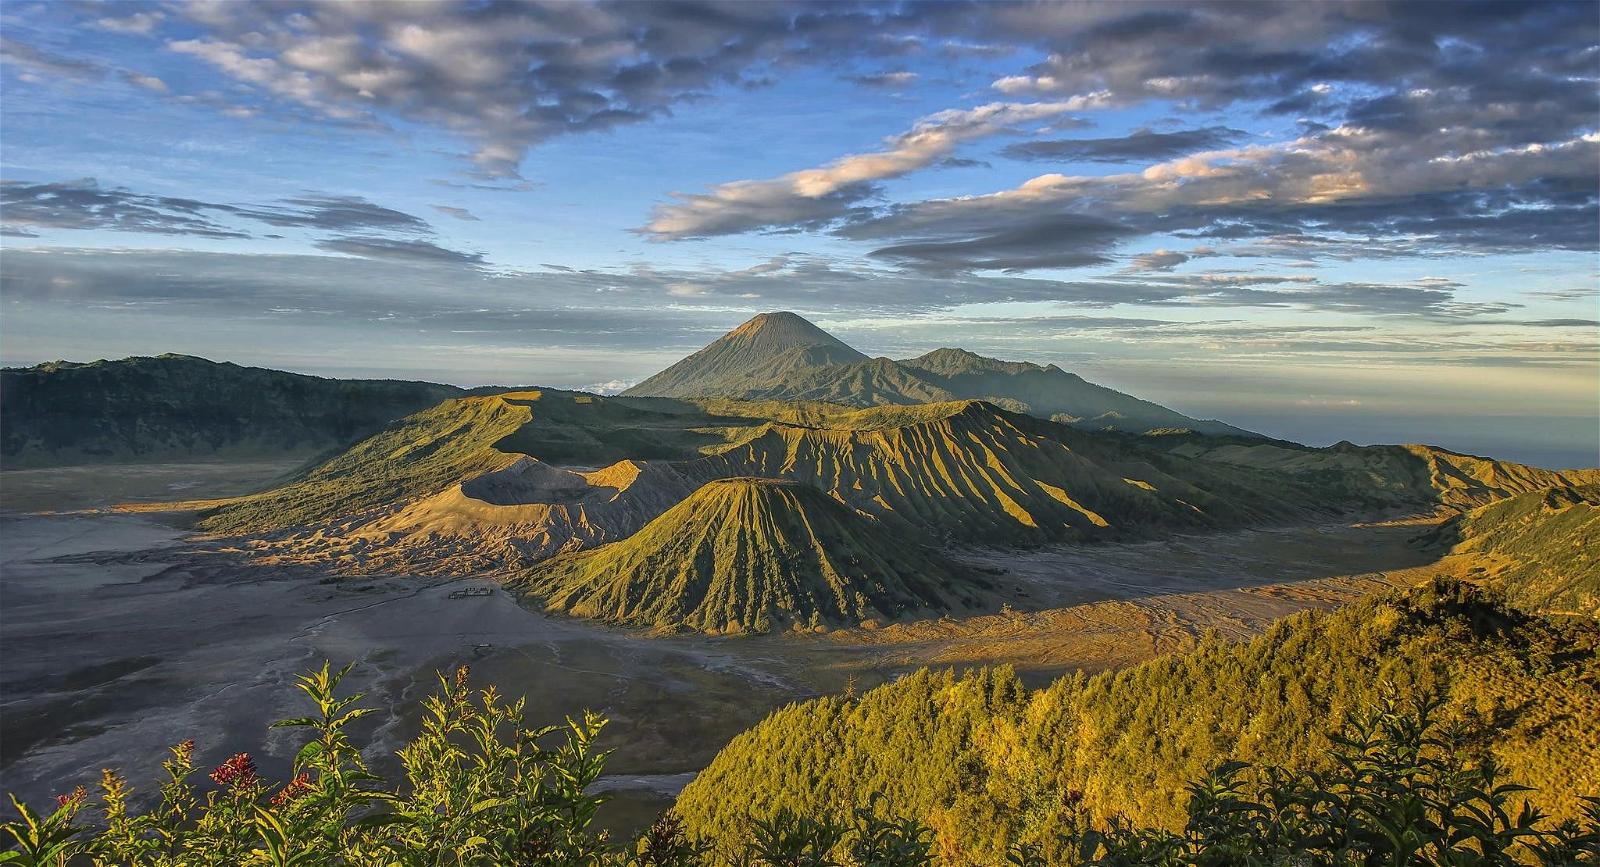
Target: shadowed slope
[(450, 444), (750, 555), (178, 406)]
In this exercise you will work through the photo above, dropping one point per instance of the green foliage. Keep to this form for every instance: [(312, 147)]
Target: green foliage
[(1400, 792), (988, 764), (1401, 788)]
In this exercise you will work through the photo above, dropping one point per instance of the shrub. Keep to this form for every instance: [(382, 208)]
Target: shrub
[(482, 787)]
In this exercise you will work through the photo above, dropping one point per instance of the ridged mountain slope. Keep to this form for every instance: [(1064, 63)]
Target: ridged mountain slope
[(475, 484), (441, 450), (751, 555), (178, 406)]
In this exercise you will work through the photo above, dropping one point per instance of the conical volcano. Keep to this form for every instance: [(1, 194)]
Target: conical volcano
[(770, 347), (752, 555)]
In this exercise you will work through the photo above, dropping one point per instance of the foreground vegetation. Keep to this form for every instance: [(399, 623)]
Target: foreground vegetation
[(1406, 780)]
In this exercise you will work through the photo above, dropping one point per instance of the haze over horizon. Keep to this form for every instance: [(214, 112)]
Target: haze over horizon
[(1327, 221)]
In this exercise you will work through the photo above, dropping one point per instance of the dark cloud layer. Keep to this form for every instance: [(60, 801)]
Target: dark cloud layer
[(418, 280), (1140, 146), (83, 204)]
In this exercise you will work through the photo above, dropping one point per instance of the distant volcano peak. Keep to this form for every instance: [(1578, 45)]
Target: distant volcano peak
[(770, 342), (785, 329)]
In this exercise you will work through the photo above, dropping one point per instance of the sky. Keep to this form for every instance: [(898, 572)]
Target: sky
[(1322, 221)]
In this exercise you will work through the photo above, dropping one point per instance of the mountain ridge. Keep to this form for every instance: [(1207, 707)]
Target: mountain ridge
[(172, 406), (781, 356)]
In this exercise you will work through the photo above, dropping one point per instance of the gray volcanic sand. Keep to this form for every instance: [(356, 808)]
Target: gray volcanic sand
[(120, 637), (110, 658)]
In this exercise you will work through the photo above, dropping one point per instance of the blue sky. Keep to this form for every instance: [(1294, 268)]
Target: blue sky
[(1323, 221)]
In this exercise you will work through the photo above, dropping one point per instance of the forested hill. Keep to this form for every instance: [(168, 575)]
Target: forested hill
[(986, 762), (177, 406)]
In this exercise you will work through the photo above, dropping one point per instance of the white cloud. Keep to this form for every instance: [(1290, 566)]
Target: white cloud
[(816, 196)]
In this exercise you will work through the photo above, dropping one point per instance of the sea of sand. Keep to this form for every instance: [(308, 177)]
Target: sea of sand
[(123, 634)]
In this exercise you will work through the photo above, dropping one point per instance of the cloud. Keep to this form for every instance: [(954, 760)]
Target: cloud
[(891, 80), (148, 82), (1158, 260), (335, 213), (817, 197), (458, 213), (39, 61), (1330, 193), (405, 250), (1066, 241), (137, 24), (1140, 146), (83, 204), (509, 76), (609, 387)]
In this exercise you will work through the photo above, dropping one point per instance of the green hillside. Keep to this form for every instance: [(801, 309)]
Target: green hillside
[(751, 555), (781, 356), (986, 762), (459, 439), (176, 406), (1542, 548), (1348, 473)]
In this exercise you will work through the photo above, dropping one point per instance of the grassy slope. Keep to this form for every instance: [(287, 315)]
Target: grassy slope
[(986, 762), (748, 554), (417, 456), (426, 452), (1542, 549), (175, 407), (1420, 474)]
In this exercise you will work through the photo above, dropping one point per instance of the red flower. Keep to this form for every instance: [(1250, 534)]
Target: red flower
[(238, 771), (74, 799), (297, 787)]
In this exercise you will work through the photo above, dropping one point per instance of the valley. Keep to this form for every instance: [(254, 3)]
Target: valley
[(124, 630)]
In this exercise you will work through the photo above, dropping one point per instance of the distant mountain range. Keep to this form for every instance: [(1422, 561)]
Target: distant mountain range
[(781, 356)]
